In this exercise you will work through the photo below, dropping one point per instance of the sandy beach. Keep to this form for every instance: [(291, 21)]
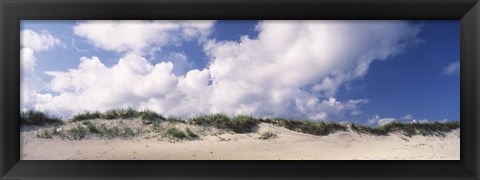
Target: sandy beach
[(218, 145)]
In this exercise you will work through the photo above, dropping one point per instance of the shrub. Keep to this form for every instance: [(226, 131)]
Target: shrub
[(45, 134), (38, 118), (242, 124), (239, 124), (127, 132), (175, 133), (91, 127), (128, 113), (86, 123), (110, 114), (114, 132), (190, 134), (369, 130), (174, 119), (78, 132), (219, 121), (267, 135), (86, 115), (55, 131), (410, 129), (319, 129), (148, 115)]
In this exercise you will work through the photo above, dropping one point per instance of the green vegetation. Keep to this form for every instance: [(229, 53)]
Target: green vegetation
[(86, 116), (179, 134), (175, 133), (91, 127), (267, 135), (38, 118), (238, 124), (411, 129), (114, 132), (47, 133), (190, 134), (243, 124), (44, 134), (78, 132), (319, 129), (150, 116), (175, 119), (219, 121), (128, 113)]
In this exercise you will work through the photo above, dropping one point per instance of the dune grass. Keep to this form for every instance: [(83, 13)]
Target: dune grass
[(179, 134), (236, 124), (308, 127), (128, 113), (79, 132), (409, 129), (115, 132), (86, 116), (38, 118), (267, 135)]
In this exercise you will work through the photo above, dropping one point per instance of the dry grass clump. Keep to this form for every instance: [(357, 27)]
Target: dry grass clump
[(267, 135)]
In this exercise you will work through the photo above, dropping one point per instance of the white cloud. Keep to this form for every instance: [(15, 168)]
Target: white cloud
[(30, 82), (267, 76), (422, 121), (385, 121), (32, 42), (38, 41), (133, 82), (270, 73), (452, 69), (376, 120), (356, 112), (141, 37), (181, 64), (407, 117)]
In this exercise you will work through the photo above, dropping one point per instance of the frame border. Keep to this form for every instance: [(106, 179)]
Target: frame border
[(12, 11)]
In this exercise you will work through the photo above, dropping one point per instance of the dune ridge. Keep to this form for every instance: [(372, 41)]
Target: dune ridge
[(173, 139)]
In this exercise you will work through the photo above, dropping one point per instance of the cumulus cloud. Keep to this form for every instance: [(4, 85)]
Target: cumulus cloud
[(38, 41), (141, 37), (376, 120), (133, 82), (407, 117), (31, 43), (452, 69), (273, 72), (422, 121), (293, 69)]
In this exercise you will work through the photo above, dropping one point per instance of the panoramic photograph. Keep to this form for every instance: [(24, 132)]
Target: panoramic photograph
[(240, 90)]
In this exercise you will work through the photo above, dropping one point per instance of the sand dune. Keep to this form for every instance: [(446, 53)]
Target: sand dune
[(215, 144)]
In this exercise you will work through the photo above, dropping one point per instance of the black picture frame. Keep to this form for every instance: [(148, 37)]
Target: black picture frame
[(12, 11)]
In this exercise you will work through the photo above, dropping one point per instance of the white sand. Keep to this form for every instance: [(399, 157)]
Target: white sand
[(287, 145)]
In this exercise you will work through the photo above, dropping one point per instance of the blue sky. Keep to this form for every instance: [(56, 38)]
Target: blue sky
[(370, 72)]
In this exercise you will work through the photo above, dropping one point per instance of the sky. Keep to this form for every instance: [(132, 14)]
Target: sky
[(368, 72)]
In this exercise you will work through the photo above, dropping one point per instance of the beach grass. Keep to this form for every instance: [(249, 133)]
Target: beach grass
[(267, 135), (308, 127), (38, 118), (409, 129), (237, 124)]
